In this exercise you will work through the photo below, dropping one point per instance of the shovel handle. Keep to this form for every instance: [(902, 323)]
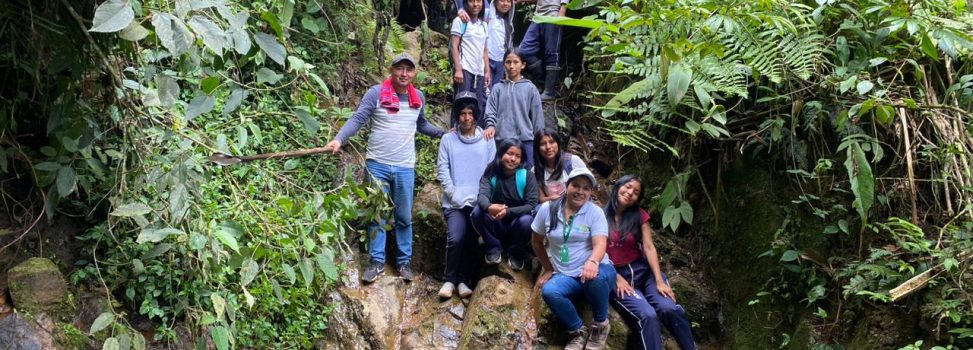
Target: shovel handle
[(286, 154)]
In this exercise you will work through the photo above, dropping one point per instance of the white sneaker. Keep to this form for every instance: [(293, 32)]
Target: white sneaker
[(464, 291), (446, 291)]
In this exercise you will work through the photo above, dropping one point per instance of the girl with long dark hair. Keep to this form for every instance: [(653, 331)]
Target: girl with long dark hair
[(507, 196), (643, 296), (553, 165)]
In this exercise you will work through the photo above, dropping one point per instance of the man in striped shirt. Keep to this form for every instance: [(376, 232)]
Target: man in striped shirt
[(395, 111)]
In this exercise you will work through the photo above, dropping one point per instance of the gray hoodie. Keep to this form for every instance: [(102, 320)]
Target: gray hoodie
[(514, 109), (461, 163)]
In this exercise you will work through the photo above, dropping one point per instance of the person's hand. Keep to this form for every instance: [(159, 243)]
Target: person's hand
[(664, 289), (489, 132), (463, 16), (589, 272), (495, 209), (334, 146), (458, 77), (502, 214), (623, 288), (486, 79), (543, 278)]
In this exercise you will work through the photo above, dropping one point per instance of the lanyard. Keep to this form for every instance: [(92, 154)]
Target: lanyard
[(565, 256)]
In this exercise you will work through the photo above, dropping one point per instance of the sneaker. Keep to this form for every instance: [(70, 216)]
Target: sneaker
[(599, 335), (464, 291), (516, 262), (493, 258), (446, 291), (578, 339), (405, 271), (372, 272)]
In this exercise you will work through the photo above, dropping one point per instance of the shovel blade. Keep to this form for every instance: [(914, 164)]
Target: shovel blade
[(223, 159)]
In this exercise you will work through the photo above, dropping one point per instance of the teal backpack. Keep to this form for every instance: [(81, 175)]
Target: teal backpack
[(521, 177)]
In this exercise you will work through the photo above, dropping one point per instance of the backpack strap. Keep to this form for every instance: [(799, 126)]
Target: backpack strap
[(566, 162), (521, 182), (521, 178)]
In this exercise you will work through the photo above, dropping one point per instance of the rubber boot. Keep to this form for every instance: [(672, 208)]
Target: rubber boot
[(536, 72), (552, 80)]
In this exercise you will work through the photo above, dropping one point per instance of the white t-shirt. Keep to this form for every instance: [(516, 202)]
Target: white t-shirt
[(471, 45), (558, 186)]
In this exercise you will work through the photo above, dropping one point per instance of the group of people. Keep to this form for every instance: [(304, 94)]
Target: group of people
[(507, 180)]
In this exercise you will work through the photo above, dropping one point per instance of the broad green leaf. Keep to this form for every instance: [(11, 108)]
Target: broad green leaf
[(227, 239), (131, 209), (124, 342), (789, 256), (111, 344), (306, 271), (270, 46), (862, 180), (155, 236), (677, 83), (702, 96), (309, 24), (138, 341), (248, 297), (929, 48), (289, 272), (213, 36), (242, 138), (847, 84), (241, 40), (248, 271), (574, 22), (884, 114), (172, 33), (158, 250), (623, 97), (268, 76), (221, 337), (66, 180), (235, 100), (324, 87), (326, 264), (178, 202), (47, 166), (134, 32), (219, 305), (168, 90), (312, 125), (287, 13), (210, 84), (112, 16), (200, 105), (686, 212), (103, 320), (864, 87)]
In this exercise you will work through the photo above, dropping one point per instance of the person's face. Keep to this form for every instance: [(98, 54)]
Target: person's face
[(548, 147), (579, 191), (513, 65), (503, 6), (402, 74), (511, 159), (473, 7), (466, 120), (628, 194)]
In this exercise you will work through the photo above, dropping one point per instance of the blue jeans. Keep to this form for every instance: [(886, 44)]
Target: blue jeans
[(646, 308), (561, 291), (398, 183), (542, 36), (461, 246), (497, 73)]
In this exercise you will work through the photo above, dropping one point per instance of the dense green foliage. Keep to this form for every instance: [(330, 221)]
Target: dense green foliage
[(865, 104)]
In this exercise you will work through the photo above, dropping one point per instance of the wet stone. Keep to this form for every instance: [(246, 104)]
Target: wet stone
[(458, 311)]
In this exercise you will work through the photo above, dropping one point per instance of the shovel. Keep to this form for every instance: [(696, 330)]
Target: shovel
[(223, 159)]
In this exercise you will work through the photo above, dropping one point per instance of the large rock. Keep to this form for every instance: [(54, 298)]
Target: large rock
[(501, 312), (429, 232), (36, 285), (18, 332)]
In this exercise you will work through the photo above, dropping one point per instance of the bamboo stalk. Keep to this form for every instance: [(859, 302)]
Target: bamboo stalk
[(909, 164)]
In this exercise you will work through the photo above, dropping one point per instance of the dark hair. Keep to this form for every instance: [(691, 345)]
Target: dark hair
[(540, 165), (497, 164), (461, 104), (479, 16), (631, 218), (516, 52)]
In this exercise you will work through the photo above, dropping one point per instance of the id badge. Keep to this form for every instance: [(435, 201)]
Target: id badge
[(564, 254)]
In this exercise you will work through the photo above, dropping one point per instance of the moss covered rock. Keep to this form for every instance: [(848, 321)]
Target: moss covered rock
[(36, 286)]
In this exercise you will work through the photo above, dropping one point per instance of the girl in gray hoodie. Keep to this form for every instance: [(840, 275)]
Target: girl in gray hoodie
[(513, 110)]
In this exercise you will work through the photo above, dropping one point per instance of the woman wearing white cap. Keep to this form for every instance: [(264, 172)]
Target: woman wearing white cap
[(574, 263)]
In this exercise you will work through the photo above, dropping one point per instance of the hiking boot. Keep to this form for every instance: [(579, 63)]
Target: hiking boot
[(464, 291), (405, 271), (599, 335), (552, 81), (372, 272), (516, 262), (493, 258), (447, 290), (578, 339)]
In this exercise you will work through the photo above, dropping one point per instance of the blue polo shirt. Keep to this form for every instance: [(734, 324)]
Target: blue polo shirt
[(589, 221)]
